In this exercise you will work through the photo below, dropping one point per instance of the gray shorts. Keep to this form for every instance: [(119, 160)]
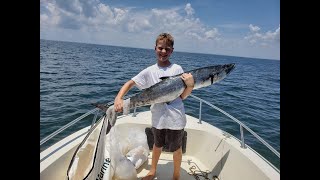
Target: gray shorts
[(171, 138)]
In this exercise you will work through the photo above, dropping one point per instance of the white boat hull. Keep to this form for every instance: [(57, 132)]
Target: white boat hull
[(208, 149)]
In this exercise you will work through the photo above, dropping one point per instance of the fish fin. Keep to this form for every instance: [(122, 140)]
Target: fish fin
[(100, 106), (165, 77)]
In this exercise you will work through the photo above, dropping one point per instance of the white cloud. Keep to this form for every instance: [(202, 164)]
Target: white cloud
[(211, 34), (254, 28), (234, 26), (93, 21), (138, 25), (120, 14), (263, 39), (93, 15), (51, 17), (189, 9)]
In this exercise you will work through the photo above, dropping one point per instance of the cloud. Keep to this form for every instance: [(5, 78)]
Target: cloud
[(233, 26), (86, 8), (211, 34), (254, 28), (95, 16), (189, 10), (94, 21), (263, 39), (139, 24), (50, 15)]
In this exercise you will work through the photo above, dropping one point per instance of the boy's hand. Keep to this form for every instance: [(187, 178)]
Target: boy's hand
[(118, 104), (188, 79)]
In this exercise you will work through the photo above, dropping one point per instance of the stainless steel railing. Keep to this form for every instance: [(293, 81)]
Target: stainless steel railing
[(95, 110), (239, 122), (200, 113)]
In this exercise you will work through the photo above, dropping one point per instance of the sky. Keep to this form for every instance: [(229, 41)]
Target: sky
[(244, 28)]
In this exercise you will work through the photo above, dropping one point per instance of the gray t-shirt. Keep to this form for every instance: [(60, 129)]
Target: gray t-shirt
[(164, 115)]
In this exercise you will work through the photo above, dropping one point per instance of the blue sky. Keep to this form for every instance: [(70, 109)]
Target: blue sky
[(245, 28)]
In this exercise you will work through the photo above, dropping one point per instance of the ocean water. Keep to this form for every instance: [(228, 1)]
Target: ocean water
[(74, 75)]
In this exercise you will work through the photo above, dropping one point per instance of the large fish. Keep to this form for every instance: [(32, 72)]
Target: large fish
[(170, 88)]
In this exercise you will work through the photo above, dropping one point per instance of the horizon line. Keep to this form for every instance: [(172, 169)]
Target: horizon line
[(152, 49)]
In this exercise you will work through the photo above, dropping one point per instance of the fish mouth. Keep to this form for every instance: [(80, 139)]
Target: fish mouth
[(229, 67)]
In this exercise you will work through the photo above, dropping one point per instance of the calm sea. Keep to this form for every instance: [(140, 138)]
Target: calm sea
[(74, 75)]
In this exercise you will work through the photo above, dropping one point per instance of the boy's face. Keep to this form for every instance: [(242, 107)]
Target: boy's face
[(163, 51)]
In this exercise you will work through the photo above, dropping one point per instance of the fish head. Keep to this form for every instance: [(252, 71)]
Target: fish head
[(209, 75), (228, 67), (220, 72)]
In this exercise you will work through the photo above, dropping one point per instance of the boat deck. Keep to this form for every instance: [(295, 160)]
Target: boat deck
[(208, 149), (189, 165)]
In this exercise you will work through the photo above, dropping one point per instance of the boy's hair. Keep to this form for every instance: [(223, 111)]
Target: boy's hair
[(168, 39)]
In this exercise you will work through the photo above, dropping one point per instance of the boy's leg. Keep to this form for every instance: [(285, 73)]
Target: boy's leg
[(177, 157), (156, 152), (174, 139)]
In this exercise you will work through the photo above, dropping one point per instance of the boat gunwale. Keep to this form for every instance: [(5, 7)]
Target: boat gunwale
[(242, 125)]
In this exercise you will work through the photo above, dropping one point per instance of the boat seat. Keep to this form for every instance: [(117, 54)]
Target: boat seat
[(165, 148)]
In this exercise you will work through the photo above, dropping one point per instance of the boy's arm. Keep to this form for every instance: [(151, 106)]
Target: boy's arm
[(189, 81), (118, 101)]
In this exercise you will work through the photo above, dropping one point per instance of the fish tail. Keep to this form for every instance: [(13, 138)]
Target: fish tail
[(111, 115)]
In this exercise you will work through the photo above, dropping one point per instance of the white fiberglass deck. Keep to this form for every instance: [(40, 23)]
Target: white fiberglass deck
[(208, 149), (165, 167)]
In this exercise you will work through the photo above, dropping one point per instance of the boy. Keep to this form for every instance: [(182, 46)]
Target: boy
[(168, 119)]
